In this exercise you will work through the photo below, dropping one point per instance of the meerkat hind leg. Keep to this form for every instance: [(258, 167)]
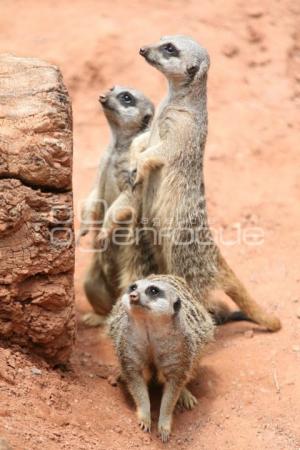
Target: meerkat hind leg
[(186, 399), (235, 289)]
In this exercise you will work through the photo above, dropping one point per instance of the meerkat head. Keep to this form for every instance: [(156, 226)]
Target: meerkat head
[(152, 297), (127, 109), (179, 58)]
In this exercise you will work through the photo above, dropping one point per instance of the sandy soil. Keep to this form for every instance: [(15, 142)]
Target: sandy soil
[(248, 388)]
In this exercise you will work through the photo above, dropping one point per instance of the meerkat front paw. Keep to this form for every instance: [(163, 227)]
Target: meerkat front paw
[(145, 165), (186, 399), (102, 237), (144, 420), (164, 429)]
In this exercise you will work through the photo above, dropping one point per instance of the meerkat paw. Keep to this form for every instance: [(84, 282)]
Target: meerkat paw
[(164, 430), (144, 167), (186, 399), (93, 319), (102, 237), (144, 420), (82, 232)]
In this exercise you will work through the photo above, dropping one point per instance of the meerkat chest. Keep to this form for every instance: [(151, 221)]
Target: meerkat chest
[(164, 344)]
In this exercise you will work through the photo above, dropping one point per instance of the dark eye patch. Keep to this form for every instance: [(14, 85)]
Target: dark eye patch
[(154, 291), (169, 50), (126, 99), (132, 287)]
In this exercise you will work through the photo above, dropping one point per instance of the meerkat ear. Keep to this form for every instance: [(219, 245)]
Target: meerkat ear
[(192, 70), (198, 70), (177, 305), (146, 121), (204, 66)]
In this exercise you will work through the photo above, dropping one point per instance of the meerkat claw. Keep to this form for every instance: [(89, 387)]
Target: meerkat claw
[(144, 422), (102, 237), (164, 433), (146, 427)]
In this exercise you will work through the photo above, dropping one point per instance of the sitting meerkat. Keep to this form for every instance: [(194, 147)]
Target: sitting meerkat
[(173, 196), (129, 114), (159, 330)]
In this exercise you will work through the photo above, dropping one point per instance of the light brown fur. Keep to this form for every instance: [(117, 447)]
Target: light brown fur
[(126, 121), (162, 335), (178, 137)]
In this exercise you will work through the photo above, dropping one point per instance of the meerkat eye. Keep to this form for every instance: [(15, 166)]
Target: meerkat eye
[(153, 291), (171, 49), (132, 287), (126, 99)]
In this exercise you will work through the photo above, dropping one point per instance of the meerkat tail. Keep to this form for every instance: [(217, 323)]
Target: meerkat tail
[(222, 314), (234, 288)]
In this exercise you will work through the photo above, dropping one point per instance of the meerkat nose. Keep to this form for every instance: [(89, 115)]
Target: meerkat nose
[(134, 297), (144, 51), (102, 98)]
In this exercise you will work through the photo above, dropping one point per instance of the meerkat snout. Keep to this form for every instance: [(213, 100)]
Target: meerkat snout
[(144, 50), (134, 297), (102, 98)]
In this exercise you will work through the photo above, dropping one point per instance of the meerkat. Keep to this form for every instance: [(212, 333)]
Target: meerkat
[(174, 194), (129, 114), (159, 330)]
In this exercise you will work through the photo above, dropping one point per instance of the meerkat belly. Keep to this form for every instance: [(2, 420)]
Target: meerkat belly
[(165, 348)]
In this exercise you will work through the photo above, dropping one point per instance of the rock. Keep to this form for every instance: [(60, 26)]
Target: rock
[(36, 210), (298, 313), (296, 348), (36, 371)]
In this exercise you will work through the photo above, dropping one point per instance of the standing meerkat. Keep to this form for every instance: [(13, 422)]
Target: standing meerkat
[(159, 329), (129, 114), (174, 195)]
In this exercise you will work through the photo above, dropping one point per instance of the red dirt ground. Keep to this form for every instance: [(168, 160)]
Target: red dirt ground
[(248, 388)]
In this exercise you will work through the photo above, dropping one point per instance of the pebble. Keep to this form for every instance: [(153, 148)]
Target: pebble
[(230, 50), (255, 12), (298, 313), (249, 334), (296, 348), (36, 371), (254, 35)]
